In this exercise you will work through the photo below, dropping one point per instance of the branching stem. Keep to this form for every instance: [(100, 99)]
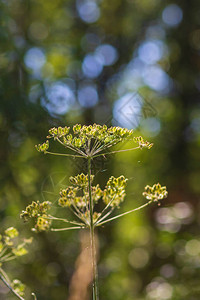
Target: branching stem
[(100, 218), (117, 151), (123, 214), (71, 147)]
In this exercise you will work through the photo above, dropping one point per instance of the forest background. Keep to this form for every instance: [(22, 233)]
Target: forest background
[(134, 64)]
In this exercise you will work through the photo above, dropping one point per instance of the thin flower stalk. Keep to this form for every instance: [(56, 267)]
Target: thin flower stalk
[(117, 151), (123, 214), (92, 236), (102, 212), (64, 154), (104, 217), (67, 228), (79, 215), (63, 220)]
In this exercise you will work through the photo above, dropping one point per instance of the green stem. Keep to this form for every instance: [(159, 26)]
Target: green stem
[(4, 258), (117, 151), (123, 214), (64, 220), (9, 258), (68, 228), (104, 217), (71, 147), (100, 218), (62, 154), (34, 296), (92, 237), (3, 251)]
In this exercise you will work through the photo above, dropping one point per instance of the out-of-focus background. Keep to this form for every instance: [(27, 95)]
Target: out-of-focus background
[(134, 64)]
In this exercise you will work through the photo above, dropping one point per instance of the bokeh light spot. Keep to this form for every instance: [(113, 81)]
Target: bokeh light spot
[(151, 51), (92, 66), (127, 110), (192, 247), (151, 126), (167, 221), (167, 271), (59, 98), (156, 78), (172, 15), (87, 96), (35, 59), (182, 210), (108, 54), (88, 11), (138, 258), (159, 290)]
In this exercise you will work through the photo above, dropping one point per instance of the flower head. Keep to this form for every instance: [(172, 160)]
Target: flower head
[(91, 140), (37, 211), (114, 192), (155, 193)]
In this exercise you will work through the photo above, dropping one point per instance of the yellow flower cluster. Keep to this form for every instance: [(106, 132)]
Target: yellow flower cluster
[(155, 193), (90, 140)]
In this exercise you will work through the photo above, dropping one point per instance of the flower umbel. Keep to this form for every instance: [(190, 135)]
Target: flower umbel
[(38, 211), (90, 141), (114, 193), (142, 143), (42, 147), (155, 193), (76, 198)]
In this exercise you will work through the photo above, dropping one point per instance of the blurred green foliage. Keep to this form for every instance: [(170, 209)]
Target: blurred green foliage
[(130, 63)]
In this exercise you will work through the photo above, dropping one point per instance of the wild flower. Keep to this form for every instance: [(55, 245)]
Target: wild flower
[(155, 193), (81, 196), (90, 141)]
